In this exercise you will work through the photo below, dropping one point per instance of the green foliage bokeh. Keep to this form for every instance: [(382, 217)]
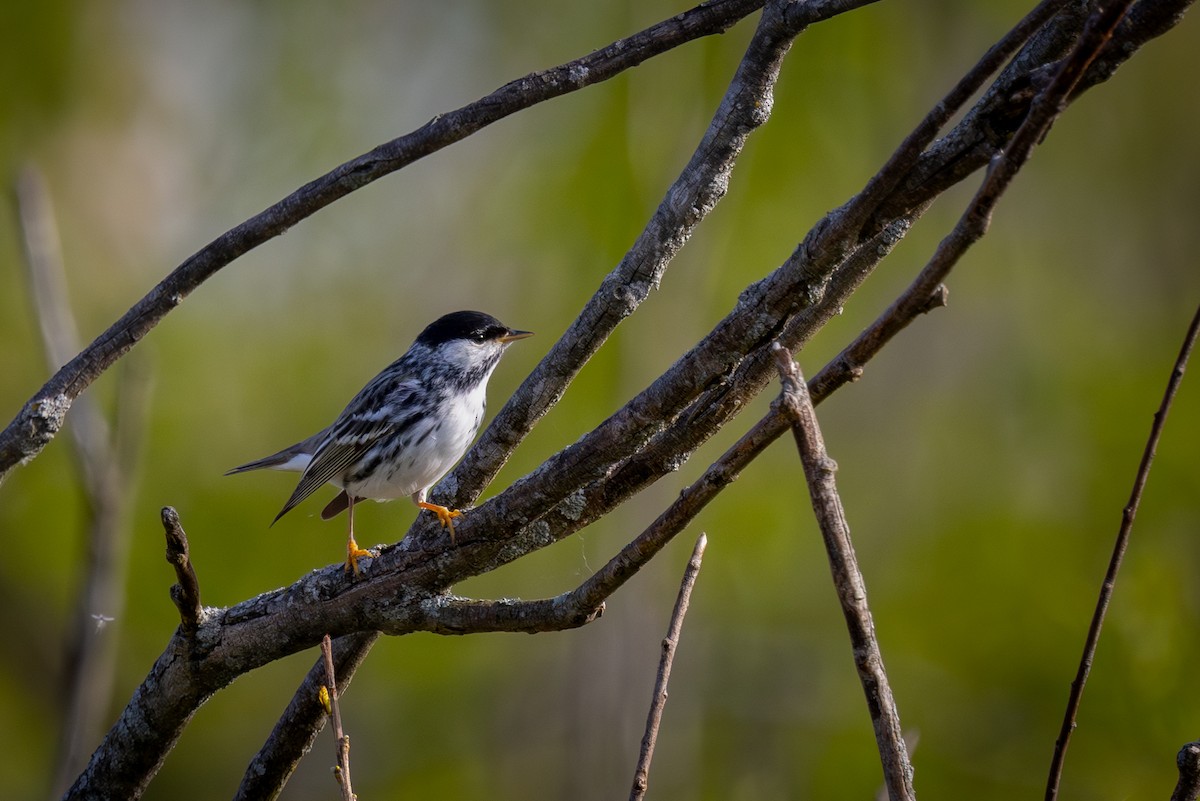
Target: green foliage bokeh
[(985, 456)]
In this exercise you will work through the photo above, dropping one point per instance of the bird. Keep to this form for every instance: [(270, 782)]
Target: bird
[(406, 428)]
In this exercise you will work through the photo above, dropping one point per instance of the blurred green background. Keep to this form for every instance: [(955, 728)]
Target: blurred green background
[(985, 456)]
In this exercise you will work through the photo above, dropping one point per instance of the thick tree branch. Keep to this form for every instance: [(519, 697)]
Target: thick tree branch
[(819, 471)]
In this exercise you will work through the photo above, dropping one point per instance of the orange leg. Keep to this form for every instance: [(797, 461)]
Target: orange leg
[(445, 515), (353, 552)]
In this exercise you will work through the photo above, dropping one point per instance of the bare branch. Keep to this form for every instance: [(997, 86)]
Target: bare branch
[(819, 470), (1118, 555), (641, 776), (329, 690), (304, 717)]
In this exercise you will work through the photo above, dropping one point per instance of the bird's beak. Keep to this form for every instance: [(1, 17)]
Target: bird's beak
[(513, 336)]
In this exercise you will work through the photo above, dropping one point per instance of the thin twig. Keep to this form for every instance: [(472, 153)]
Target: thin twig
[(304, 717), (1188, 762), (819, 472), (342, 770), (185, 594), (641, 775), (1118, 555)]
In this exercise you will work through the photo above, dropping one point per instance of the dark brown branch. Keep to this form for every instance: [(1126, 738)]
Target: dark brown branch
[(641, 776), (330, 690), (185, 594), (1118, 555), (819, 472), (42, 416), (927, 291), (1188, 762)]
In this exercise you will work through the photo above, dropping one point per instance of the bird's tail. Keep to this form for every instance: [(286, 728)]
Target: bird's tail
[(294, 458)]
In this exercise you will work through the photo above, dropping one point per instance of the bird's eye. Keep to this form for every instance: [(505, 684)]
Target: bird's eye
[(479, 337)]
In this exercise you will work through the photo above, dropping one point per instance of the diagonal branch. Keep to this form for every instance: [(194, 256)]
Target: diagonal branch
[(1118, 555), (641, 776), (329, 694), (729, 366), (819, 471)]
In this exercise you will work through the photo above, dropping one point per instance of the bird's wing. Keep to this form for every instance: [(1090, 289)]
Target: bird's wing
[(346, 444), (375, 412)]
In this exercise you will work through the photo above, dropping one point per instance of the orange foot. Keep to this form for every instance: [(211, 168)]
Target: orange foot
[(353, 554), (445, 515)]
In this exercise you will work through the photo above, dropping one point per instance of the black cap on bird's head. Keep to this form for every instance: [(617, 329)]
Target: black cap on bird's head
[(473, 326)]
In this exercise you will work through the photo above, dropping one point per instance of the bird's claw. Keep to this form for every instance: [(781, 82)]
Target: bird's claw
[(353, 554), (446, 516)]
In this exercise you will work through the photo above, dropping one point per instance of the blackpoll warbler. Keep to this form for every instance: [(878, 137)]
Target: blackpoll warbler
[(406, 428)]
